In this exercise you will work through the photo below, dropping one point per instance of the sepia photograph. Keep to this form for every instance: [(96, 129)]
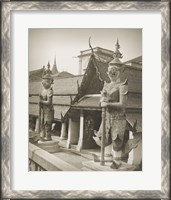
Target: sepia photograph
[(85, 110), (85, 99)]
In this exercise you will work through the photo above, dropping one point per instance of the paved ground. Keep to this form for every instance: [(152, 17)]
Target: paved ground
[(71, 158), (84, 160)]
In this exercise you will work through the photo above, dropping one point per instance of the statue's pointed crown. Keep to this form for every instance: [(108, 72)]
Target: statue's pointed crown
[(117, 55)]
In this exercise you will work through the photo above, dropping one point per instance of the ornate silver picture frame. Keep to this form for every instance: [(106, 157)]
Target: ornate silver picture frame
[(8, 102)]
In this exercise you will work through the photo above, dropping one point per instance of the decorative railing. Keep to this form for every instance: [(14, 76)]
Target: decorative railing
[(33, 166), (41, 160)]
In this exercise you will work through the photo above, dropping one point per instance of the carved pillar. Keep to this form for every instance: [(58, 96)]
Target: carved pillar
[(137, 152), (33, 166), (73, 133), (63, 131), (81, 132), (38, 168), (37, 125), (131, 154), (135, 156)]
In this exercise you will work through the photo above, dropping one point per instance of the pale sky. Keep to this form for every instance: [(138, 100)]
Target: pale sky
[(66, 44)]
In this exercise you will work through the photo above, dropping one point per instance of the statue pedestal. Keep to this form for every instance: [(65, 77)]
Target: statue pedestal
[(97, 158), (49, 146), (107, 157), (95, 166)]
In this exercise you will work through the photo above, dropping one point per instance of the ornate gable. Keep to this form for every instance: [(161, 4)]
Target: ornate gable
[(91, 82)]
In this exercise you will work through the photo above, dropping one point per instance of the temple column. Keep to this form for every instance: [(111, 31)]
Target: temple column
[(81, 132), (73, 133), (37, 125), (63, 131), (131, 154), (137, 152)]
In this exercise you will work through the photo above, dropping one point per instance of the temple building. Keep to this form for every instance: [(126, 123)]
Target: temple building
[(85, 55), (36, 75), (136, 62), (76, 100)]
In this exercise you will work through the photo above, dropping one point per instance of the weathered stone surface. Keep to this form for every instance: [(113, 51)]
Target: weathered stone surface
[(97, 167), (48, 161), (97, 158), (32, 166), (49, 146)]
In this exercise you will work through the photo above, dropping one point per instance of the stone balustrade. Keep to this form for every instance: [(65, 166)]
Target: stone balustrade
[(41, 160), (33, 166)]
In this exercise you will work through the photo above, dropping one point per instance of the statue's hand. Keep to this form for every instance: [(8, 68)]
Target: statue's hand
[(104, 104), (40, 102), (40, 96)]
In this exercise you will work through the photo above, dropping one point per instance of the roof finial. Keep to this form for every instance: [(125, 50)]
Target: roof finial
[(54, 68), (55, 59), (90, 45), (117, 44), (48, 71), (48, 65)]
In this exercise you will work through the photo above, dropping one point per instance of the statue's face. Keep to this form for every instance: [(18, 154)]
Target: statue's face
[(46, 83), (113, 74)]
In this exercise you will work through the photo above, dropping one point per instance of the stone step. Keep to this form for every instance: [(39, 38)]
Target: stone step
[(63, 143), (49, 146), (74, 146), (83, 154)]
